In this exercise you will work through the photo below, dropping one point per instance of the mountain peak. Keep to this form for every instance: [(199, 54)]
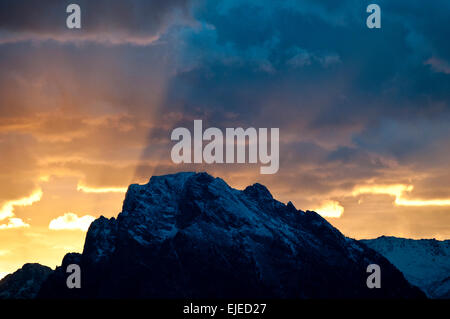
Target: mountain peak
[(258, 191), (192, 235)]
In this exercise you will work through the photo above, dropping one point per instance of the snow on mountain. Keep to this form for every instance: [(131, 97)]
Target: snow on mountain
[(425, 262), (190, 235)]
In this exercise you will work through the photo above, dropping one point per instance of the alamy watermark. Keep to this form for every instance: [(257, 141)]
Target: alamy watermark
[(73, 20), (74, 279), (189, 149), (374, 279)]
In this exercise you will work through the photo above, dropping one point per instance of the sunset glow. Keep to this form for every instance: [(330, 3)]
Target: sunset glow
[(330, 209), (71, 221), (99, 190), (7, 210), (399, 192), (363, 115)]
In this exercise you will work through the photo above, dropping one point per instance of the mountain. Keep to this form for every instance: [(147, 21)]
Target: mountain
[(24, 283), (190, 235), (425, 262)]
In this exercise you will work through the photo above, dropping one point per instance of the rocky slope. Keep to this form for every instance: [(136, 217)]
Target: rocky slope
[(190, 235), (25, 283), (425, 262)]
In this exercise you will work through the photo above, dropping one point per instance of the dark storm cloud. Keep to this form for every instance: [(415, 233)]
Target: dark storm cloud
[(311, 66), (114, 21), (351, 101), (258, 42), (423, 143)]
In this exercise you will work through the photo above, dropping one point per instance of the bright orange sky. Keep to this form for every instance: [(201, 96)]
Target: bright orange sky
[(83, 115)]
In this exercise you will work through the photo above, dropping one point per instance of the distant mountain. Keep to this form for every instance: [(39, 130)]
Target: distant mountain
[(24, 283), (190, 235), (425, 262)]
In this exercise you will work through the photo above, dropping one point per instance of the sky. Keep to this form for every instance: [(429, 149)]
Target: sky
[(363, 113)]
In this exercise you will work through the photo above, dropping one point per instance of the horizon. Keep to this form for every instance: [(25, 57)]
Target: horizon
[(362, 112)]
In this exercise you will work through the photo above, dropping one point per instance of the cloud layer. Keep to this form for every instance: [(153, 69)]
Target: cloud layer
[(137, 22)]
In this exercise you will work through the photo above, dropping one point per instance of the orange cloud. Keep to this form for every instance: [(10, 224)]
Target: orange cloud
[(330, 208), (88, 189), (14, 223), (7, 210), (398, 191), (71, 221)]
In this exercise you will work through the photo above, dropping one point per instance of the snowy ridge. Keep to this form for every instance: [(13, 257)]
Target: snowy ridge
[(425, 262)]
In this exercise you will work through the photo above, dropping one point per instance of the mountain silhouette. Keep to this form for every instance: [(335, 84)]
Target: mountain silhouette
[(25, 283), (190, 235)]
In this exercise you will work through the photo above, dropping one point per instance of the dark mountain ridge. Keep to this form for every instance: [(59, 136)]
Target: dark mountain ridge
[(24, 283), (190, 235)]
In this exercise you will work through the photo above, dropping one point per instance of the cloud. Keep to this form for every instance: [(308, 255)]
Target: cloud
[(7, 210), (330, 208), (71, 221), (303, 58), (14, 222), (438, 65), (399, 191), (138, 22), (99, 190)]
